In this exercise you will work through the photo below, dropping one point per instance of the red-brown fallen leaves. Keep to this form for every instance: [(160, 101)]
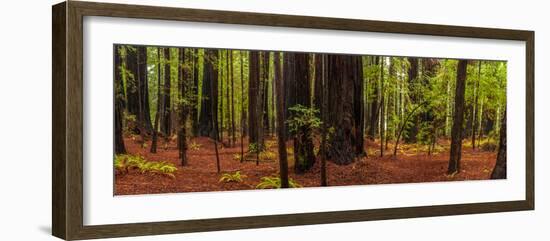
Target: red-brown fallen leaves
[(200, 174)]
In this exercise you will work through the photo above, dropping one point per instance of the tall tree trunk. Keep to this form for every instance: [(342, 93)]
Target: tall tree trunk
[(281, 135), (220, 122), (194, 109), (119, 102), (183, 77), (209, 101), (159, 107), (458, 119), (290, 83), (323, 98), (132, 84), (339, 117), (374, 106), (303, 142), (414, 97), (211, 76), (265, 92), (166, 126), (382, 108), (253, 98), (243, 117), (499, 172), (475, 110), (145, 114), (358, 104), (232, 99)]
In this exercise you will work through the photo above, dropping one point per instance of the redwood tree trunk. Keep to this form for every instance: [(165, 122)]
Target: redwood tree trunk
[(499, 172), (253, 97), (132, 84), (339, 116), (159, 108), (358, 103), (183, 77), (119, 103), (166, 120), (458, 119), (303, 140), (194, 110), (290, 83), (145, 114), (281, 135), (209, 100), (412, 130)]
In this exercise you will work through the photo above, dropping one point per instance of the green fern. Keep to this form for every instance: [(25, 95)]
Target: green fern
[(124, 162), (275, 182), (228, 177)]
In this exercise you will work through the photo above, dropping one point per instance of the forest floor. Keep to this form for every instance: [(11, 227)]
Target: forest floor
[(412, 165)]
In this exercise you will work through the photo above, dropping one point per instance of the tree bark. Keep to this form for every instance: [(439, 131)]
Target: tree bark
[(339, 117), (458, 119), (183, 77), (233, 140), (166, 126), (289, 77), (145, 114), (209, 100), (253, 98), (412, 131), (194, 109), (382, 108), (243, 118), (159, 106), (303, 140), (475, 110), (499, 172), (119, 102), (358, 104), (132, 84), (374, 106), (281, 135)]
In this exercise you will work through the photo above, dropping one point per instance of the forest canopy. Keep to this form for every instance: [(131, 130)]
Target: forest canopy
[(195, 119)]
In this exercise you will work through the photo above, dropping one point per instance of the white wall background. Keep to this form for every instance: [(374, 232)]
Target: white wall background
[(25, 120)]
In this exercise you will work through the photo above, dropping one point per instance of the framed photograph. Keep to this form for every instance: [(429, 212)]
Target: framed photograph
[(210, 120)]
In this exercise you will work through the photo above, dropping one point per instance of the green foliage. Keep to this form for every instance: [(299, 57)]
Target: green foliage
[(267, 155), (255, 147), (195, 146), (275, 182), (237, 157), (228, 177), (126, 162), (303, 118)]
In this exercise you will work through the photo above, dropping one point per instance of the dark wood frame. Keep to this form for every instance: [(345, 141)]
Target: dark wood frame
[(67, 123)]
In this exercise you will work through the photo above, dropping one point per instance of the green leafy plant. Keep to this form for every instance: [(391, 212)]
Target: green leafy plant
[(125, 162), (303, 118), (267, 155), (254, 147), (275, 182), (237, 157), (228, 177), (195, 146)]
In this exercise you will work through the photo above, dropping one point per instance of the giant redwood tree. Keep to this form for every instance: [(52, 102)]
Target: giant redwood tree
[(144, 117), (458, 119), (119, 102), (255, 106), (340, 117), (304, 158), (209, 115), (166, 112), (281, 135)]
